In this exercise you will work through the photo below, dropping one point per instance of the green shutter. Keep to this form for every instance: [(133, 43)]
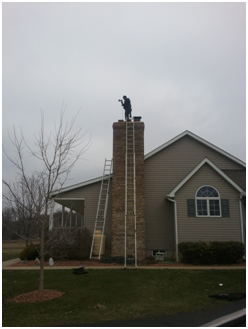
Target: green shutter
[(191, 207), (225, 208)]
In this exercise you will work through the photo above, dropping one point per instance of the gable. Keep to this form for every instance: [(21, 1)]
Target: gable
[(200, 140), (168, 167), (175, 159), (196, 169)]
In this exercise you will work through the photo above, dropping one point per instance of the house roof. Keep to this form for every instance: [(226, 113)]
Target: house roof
[(199, 139), (211, 164), (150, 154), (73, 187), (238, 176)]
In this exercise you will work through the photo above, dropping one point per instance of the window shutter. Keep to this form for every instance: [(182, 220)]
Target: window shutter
[(191, 207), (225, 208)]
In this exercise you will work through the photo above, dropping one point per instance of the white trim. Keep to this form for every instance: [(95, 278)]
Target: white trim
[(176, 228), (208, 203), (203, 197), (199, 139), (211, 164)]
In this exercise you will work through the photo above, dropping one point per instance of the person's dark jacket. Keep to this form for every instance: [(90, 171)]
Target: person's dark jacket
[(127, 105)]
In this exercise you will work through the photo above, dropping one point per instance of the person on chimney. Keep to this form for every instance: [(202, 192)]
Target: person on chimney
[(127, 107)]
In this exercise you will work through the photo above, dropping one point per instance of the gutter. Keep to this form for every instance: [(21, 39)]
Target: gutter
[(241, 218), (175, 220)]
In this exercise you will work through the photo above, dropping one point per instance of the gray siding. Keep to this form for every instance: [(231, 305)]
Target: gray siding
[(163, 171), (91, 194), (208, 228)]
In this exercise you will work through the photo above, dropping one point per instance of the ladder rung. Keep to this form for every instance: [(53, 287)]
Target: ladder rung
[(102, 206)]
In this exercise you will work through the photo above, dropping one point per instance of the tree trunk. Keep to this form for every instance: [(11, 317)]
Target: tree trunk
[(41, 281)]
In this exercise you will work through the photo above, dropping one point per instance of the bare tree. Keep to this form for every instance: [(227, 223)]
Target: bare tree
[(9, 226), (21, 201), (57, 153)]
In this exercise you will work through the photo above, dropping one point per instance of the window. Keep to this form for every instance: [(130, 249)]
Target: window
[(207, 202)]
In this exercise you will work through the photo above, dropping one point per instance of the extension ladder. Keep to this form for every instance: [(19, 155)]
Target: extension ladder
[(130, 194), (97, 240)]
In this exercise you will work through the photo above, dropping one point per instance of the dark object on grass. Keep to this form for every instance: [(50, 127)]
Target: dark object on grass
[(229, 296), (79, 271)]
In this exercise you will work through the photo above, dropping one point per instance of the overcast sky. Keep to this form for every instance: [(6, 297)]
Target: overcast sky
[(181, 64)]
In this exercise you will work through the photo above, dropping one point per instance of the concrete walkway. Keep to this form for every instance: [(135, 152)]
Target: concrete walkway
[(5, 266)]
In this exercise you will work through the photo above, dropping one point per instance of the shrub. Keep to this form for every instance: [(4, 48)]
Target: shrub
[(227, 252), (69, 244), (119, 259), (215, 252), (29, 253), (106, 260)]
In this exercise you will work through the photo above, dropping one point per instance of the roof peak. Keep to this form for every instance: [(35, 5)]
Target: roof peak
[(199, 139)]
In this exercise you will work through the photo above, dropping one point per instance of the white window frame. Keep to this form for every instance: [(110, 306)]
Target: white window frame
[(208, 203)]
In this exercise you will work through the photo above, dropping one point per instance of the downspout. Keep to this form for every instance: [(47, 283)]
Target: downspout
[(241, 218), (175, 220)]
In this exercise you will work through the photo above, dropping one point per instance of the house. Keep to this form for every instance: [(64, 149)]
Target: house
[(187, 190)]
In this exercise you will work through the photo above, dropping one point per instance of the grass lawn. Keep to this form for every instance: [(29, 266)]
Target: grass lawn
[(125, 294), (10, 254)]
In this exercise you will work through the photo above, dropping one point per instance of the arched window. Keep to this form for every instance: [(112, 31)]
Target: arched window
[(207, 202)]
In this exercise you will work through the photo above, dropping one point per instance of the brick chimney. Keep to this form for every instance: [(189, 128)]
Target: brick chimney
[(118, 192)]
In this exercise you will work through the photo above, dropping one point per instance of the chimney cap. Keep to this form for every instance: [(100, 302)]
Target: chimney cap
[(137, 118)]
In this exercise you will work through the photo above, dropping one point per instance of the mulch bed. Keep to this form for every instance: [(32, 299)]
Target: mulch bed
[(36, 296), (97, 263)]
